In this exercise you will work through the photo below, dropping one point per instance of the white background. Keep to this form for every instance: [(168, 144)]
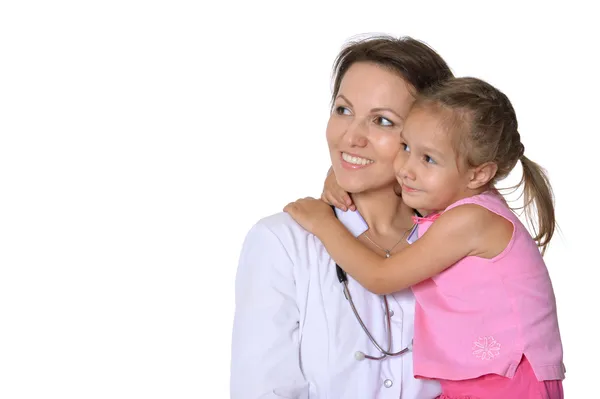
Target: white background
[(139, 141)]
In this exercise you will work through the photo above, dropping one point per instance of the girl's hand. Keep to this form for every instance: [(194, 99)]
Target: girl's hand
[(334, 195), (310, 213)]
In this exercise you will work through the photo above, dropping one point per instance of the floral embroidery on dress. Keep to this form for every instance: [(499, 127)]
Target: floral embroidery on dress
[(486, 348)]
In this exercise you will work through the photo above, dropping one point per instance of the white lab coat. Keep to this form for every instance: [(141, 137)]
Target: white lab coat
[(294, 333)]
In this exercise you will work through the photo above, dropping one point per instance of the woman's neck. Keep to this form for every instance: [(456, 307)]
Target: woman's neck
[(384, 211)]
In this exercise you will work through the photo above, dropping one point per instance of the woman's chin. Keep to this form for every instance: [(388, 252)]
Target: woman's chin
[(352, 185)]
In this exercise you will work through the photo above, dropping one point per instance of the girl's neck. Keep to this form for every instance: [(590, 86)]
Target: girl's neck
[(462, 196)]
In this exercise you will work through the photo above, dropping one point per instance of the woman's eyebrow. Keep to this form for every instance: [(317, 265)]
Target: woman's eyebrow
[(389, 110), (345, 99), (378, 109)]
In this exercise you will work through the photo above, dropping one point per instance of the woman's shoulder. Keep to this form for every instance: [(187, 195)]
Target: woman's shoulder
[(278, 230), (279, 241), (279, 224)]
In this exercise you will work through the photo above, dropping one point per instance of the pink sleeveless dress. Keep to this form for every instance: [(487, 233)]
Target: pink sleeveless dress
[(488, 328)]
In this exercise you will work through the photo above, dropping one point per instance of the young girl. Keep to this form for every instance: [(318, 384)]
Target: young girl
[(485, 323)]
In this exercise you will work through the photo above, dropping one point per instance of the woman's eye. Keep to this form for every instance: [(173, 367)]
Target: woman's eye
[(405, 147), (381, 121), (342, 110)]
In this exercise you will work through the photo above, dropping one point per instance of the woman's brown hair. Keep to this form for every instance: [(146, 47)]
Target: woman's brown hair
[(417, 63)]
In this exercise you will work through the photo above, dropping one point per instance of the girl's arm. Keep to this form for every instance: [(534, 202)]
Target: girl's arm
[(453, 236), (335, 195)]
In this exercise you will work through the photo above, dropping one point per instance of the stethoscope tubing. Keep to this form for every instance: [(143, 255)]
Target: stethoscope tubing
[(343, 279), (384, 353)]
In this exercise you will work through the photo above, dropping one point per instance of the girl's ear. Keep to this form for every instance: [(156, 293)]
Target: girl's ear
[(482, 175)]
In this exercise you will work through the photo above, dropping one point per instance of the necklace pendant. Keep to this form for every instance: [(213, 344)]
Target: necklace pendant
[(387, 253)]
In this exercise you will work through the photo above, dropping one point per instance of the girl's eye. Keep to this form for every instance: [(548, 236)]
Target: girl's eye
[(381, 121), (340, 110), (405, 147), (430, 160)]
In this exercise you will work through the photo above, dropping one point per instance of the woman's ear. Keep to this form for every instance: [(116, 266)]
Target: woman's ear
[(482, 175)]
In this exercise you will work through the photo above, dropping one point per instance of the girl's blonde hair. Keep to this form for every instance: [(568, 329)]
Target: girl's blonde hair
[(484, 125)]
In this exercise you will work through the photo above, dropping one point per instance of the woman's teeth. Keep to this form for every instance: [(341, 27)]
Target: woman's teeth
[(355, 160)]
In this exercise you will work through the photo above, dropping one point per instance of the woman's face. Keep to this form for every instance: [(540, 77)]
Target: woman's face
[(364, 128)]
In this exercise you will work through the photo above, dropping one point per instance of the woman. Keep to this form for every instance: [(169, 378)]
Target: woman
[(295, 334)]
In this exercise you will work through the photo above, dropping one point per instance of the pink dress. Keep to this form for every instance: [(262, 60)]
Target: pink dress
[(490, 323)]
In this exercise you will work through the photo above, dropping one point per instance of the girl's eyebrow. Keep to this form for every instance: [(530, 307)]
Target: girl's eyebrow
[(432, 151)]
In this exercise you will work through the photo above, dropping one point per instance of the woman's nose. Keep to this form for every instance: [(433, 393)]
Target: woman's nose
[(356, 134)]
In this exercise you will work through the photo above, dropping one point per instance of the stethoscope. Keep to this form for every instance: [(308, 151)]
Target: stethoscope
[(359, 355)]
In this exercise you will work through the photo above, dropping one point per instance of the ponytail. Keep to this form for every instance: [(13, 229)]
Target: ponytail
[(538, 197)]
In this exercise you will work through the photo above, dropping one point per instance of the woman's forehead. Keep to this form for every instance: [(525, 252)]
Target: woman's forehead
[(375, 86)]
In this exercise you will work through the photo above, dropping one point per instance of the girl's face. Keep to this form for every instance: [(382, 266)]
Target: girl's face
[(428, 169), (364, 128)]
